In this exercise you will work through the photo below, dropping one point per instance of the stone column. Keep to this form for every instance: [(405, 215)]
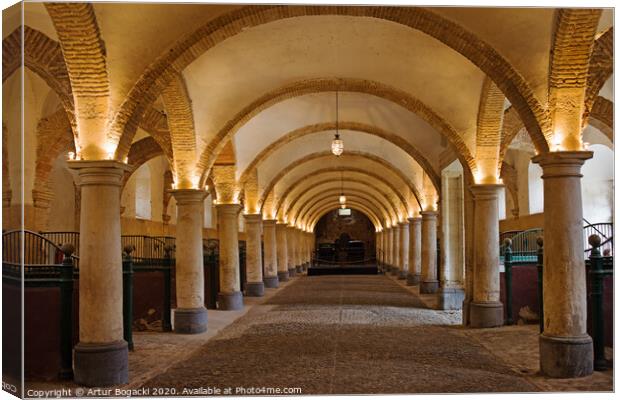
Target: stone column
[(404, 250), (451, 293), (229, 297), (100, 357), (565, 347), (386, 247), (282, 250), (391, 248), (271, 253), (253, 258), (485, 310), (291, 245), (306, 250), (380, 248), (396, 251), (469, 248), (429, 283), (415, 251), (298, 250), (190, 316)]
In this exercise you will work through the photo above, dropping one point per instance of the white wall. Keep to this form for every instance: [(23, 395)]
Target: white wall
[(208, 211), (535, 188), (143, 192), (597, 185)]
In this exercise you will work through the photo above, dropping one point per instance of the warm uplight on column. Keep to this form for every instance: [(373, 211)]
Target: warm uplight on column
[(110, 149)]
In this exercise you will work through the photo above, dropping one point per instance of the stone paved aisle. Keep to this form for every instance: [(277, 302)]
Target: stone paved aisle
[(345, 334)]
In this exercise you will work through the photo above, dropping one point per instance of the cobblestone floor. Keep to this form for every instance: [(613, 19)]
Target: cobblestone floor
[(364, 334)]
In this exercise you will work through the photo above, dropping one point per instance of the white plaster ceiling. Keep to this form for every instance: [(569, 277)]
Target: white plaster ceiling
[(35, 16), (135, 34), (241, 69), (521, 35), (355, 142), (311, 109)]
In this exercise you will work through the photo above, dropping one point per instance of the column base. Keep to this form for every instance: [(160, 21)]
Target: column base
[(291, 272), (451, 298), (271, 281), (101, 364), (394, 271), (486, 315), (298, 269), (402, 275), (282, 276), (413, 279), (229, 301), (429, 287), (566, 357), (255, 289), (190, 320)]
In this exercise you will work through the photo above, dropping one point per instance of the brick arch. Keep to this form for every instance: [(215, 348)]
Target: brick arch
[(488, 133), (354, 206), (511, 126), (376, 221), (181, 127), (314, 156), (599, 70), (85, 60), (573, 40), (327, 206), (54, 136), (141, 152), (353, 195), (344, 125), (383, 201), (302, 181), (43, 56), (602, 117), (185, 51)]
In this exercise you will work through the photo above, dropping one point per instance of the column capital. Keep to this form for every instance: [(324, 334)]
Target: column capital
[(403, 224), (486, 191), (270, 222), (281, 224), (253, 218), (188, 196), (414, 220), (228, 209), (99, 172), (560, 164), (429, 214)]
